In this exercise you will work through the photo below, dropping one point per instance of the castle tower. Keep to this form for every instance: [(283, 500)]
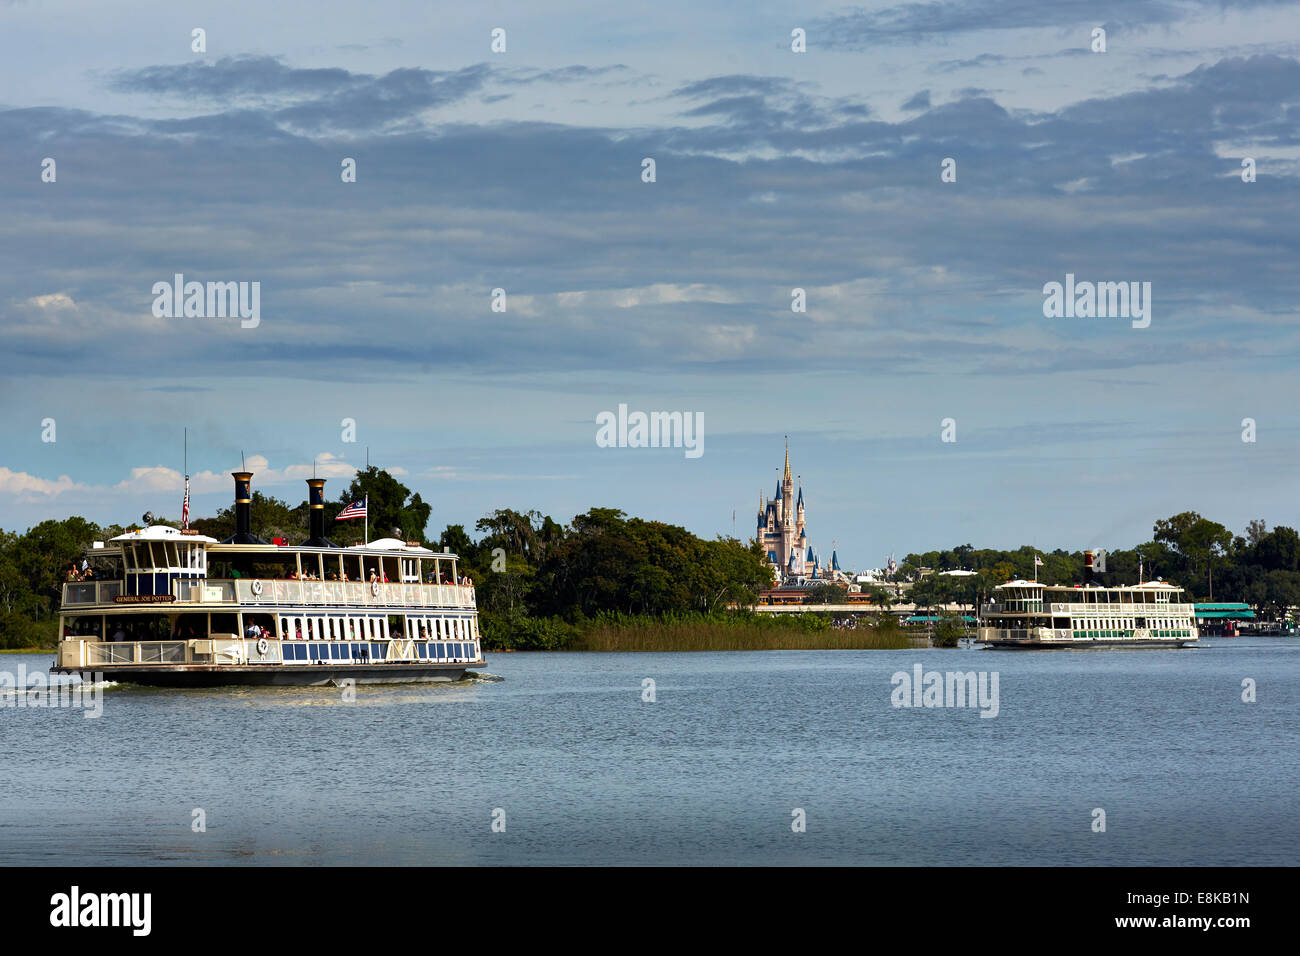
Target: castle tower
[(787, 483), (782, 528), (799, 522)]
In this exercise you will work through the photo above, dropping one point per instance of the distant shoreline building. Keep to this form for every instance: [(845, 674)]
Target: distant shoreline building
[(781, 532)]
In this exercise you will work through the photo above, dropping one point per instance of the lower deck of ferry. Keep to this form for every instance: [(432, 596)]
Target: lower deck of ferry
[(224, 675), (189, 648)]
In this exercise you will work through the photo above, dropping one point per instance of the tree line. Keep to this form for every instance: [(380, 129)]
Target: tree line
[(1260, 567)]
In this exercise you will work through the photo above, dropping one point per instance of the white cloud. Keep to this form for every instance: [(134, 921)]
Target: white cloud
[(150, 479), (26, 487)]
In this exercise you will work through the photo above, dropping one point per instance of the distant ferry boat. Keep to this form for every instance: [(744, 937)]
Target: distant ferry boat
[(1032, 615), (173, 608)]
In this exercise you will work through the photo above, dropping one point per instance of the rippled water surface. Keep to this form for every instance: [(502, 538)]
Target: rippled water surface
[(710, 772)]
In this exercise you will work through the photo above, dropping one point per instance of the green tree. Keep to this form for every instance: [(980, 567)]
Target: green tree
[(390, 512), (1279, 550), (881, 597), (948, 630), (455, 540), (827, 593)]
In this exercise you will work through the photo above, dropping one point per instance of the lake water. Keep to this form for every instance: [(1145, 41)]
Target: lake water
[(585, 771)]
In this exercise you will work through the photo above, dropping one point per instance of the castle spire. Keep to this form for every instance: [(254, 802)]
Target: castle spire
[(787, 459)]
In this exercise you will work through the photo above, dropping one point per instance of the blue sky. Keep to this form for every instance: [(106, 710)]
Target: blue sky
[(775, 170)]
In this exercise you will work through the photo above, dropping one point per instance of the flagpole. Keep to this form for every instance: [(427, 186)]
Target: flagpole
[(367, 517), (185, 504)]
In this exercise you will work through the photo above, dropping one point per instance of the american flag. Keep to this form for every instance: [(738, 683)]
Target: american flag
[(354, 510), (185, 505)]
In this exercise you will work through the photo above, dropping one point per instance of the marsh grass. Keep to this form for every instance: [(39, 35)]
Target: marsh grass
[(739, 633)]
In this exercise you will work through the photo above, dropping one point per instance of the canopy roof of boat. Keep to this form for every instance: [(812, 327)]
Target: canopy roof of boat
[(1145, 586), (389, 546), (392, 544), (162, 532)]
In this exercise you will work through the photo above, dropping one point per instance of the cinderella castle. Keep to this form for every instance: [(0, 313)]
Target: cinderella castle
[(781, 533)]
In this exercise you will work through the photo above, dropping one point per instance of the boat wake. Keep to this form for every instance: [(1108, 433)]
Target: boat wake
[(473, 677)]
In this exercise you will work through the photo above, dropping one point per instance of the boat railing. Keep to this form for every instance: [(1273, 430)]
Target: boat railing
[(137, 652), (91, 592), (275, 591), (1013, 607), (205, 590), (1125, 609), (351, 593), (1008, 634)]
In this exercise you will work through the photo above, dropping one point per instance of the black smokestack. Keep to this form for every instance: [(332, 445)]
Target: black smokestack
[(243, 504), (316, 505), (1087, 567)]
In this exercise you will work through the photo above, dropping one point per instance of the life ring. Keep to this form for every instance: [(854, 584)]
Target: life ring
[(374, 588), (257, 586), (263, 645)]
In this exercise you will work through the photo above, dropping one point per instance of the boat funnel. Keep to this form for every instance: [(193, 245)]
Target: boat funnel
[(316, 505), (243, 516)]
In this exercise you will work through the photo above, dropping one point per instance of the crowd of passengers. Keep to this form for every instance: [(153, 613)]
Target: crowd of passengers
[(84, 573)]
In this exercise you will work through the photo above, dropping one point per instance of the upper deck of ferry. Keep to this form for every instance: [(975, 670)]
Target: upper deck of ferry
[(1033, 597), (158, 564)]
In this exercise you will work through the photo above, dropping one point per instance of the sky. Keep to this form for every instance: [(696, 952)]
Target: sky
[(774, 170)]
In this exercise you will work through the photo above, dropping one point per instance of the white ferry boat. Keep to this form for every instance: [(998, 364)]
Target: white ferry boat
[(173, 608), (1032, 615)]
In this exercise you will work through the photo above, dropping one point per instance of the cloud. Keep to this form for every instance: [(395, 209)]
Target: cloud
[(764, 185), (316, 100), (858, 27), (918, 101), (25, 487), (150, 479)]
